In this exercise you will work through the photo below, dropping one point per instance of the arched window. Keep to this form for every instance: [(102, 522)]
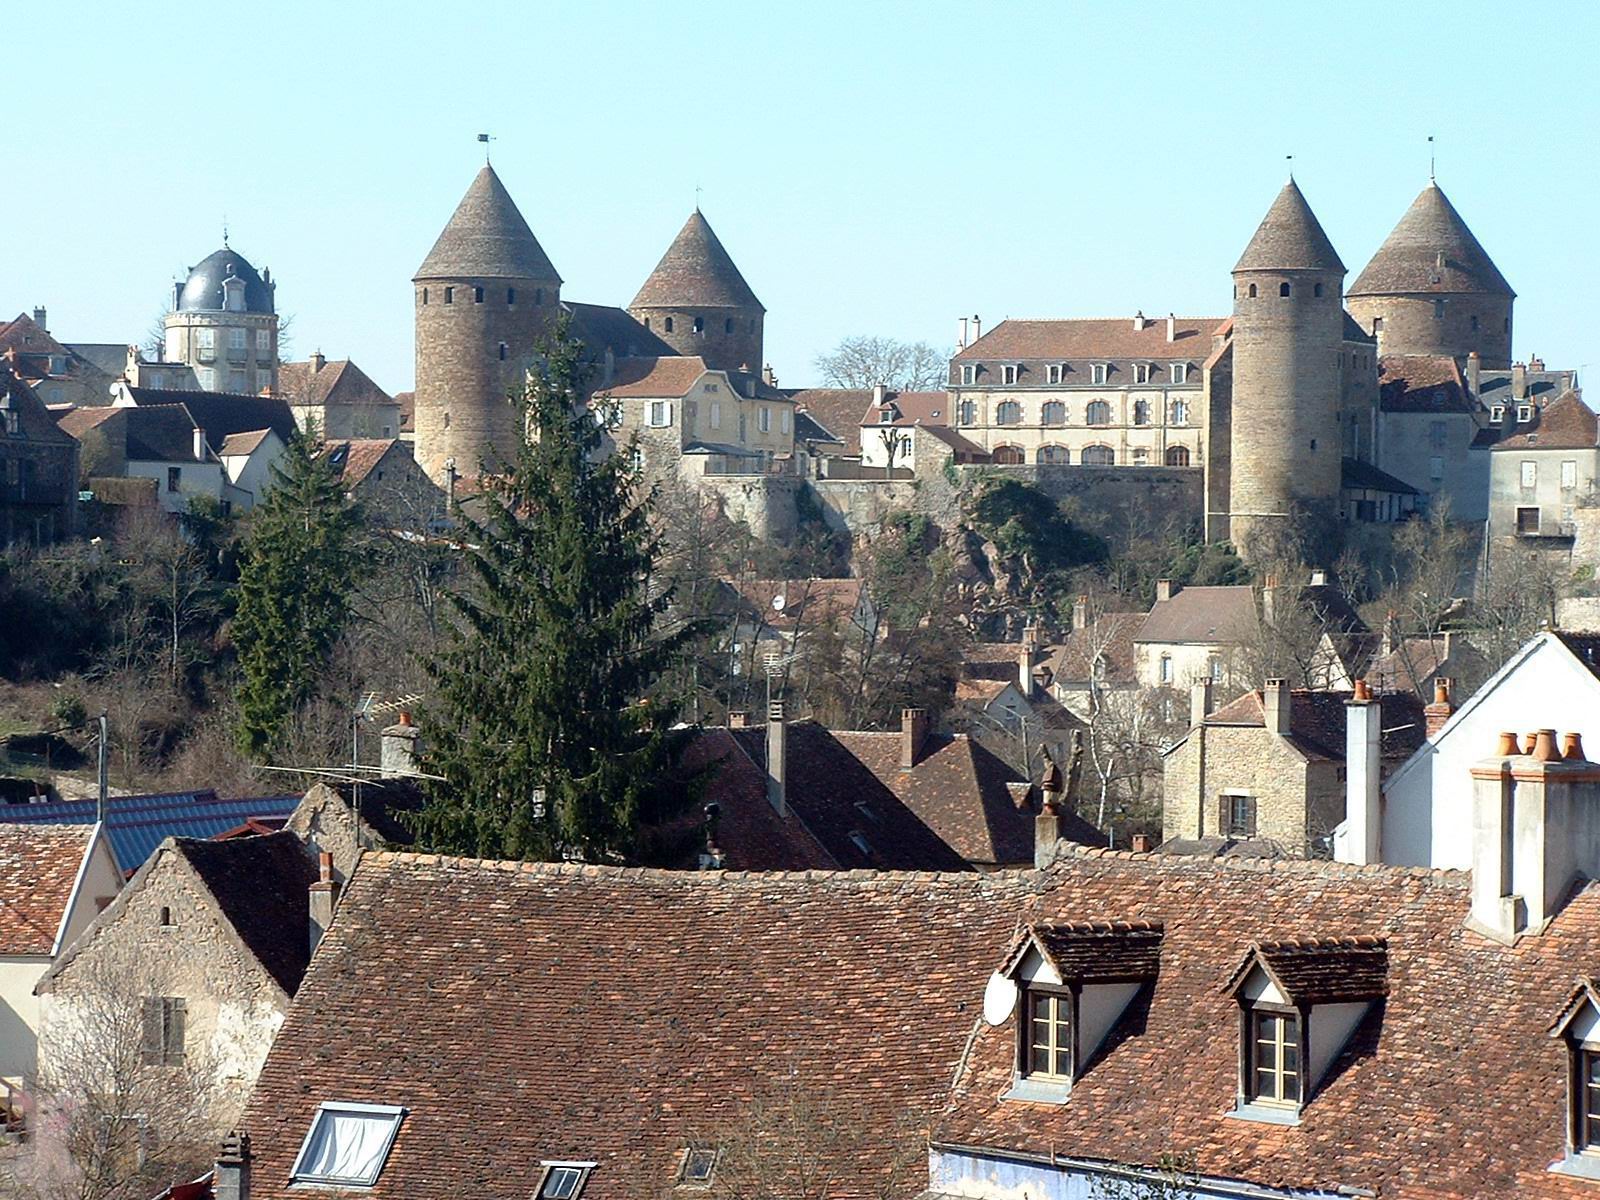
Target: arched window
[(1008, 413), (1098, 456), (1252, 291), (502, 352), (1098, 413), (699, 324), (1141, 412), (424, 295), (647, 322), (727, 326), (1180, 413), (1055, 413), (1283, 289), (1316, 289), (1055, 456), (667, 325), (969, 413), (1008, 456), (1177, 456)]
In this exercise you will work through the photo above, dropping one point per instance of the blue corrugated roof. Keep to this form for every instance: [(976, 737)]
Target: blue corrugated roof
[(136, 825)]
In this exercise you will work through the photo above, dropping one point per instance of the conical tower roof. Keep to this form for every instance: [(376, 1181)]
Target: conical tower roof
[(1431, 250), (1290, 238), (487, 238), (696, 272)]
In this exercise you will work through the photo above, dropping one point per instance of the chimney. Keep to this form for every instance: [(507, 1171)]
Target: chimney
[(1142, 843), (1201, 701), (738, 718), (777, 758), (913, 733), (977, 327), (1139, 322), (1533, 829), (1387, 640), (397, 749), (1535, 363), (880, 393), (1025, 665), (1319, 579), (769, 376), (1363, 790), (1519, 381), (1474, 366), (1166, 589), (324, 899), (961, 338), (1172, 327), (199, 444), (1436, 714), (1277, 704), (1080, 612), (1047, 826), (39, 318), (317, 361), (231, 1180), (1269, 600)]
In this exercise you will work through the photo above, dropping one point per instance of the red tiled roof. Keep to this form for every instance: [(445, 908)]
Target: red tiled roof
[(1110, 637), (1317, 721), (1202, 614), (809, 602), (1565, 424), (1423, 383), (912, 408), (838, 410), (1319, 970), (39, 866), (408, 408), (243, 443), (25, 336), (339, 381), (356, 457), (654, 377), (1093, 951), (961, 444), (1097, 339), (751, 833), (79, 421)]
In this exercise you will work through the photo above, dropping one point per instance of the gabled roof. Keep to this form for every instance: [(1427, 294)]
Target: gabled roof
[(1363, 476), (1290, 238), (39, 869), (602, 328), (1096, 339), (965, 448), (1091, 951), (696, 272), (26, 336), (136, 825), (339, 382), (839, 410), (1423, 383), (1206, 615), (808, 429), (654, 378), (1109, 637), (1431, 251), (1329, 970), (1317, 721), (79, 421), (224, 413), (243, 443), (356, 458), (1566, 424), (159, 433), (487, 238), (34, 420), (910, 408)]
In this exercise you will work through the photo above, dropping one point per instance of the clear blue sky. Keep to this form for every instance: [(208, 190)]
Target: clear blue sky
[(872, 167)]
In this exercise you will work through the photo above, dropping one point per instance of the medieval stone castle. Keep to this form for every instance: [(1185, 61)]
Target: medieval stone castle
[(1277, 414)]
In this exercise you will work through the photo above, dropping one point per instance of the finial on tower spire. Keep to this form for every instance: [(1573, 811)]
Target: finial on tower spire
[(1289, 158), (224, 231), (697, 197), (1430, 159), (485, 139)]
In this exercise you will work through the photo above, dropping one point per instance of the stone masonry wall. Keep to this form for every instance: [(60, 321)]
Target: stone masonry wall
[(1216, 758)]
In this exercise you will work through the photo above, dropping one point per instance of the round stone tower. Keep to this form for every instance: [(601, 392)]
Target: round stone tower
[(484, 296), (697, 302), (223, 324), (1288, 325), (1432, 289)]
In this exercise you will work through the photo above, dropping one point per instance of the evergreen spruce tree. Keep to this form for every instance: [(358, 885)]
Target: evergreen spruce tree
[(543, 725), (300, 563)]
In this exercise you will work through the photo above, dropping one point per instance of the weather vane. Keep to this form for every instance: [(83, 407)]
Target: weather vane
[(1430, 158), (1289, 158), (224, 231), (485, 139), (697, 197)]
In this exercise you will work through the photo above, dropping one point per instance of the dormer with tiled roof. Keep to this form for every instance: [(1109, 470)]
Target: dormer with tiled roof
[(697, 301)]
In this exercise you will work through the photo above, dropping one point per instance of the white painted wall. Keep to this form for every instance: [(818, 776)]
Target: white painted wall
[(195, 479), (253, 472)]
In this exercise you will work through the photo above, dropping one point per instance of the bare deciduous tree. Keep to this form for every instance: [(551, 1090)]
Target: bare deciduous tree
[(864, 362)]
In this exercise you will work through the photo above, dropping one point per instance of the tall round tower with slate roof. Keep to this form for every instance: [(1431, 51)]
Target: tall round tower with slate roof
[(1432, 289), (698, 303), (1288, 325), (484, 296)]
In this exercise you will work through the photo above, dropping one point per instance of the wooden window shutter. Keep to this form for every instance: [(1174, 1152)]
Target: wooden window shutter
[(177, 1018), (151, 1043), (1250, 817)]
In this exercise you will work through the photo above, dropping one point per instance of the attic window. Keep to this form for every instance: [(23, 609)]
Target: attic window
[(1053, 373), (1275, 1056), (564, 1180), (859, 841), (699, 1165), (1141, 372), (1097, 372), (1524, 413), (348, 1144), (1049, 1035), (1497, 413), (1008, 373), (967, 371), (167, 921)]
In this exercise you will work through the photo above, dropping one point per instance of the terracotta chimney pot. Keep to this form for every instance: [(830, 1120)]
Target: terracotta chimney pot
[(1506, 747), (1544, 747), (1572, 747), (1363, 692), (1441, 691), (1528, 744)]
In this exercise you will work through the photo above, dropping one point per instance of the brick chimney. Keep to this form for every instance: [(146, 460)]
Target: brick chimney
[(1363, 790), (317, 361), (324, 899), (1519, 381), (1201, 701), (1080, 612), (738, 718), (1141, 843), (397, 748), (1166, 589), (1474, 367), (777, 758), (231, 1180), (1436, 714), (1535, 363), (1277, 705), (913, 733), (1048, 825)]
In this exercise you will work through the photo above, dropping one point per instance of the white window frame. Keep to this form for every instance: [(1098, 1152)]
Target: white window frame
[(1524, 413), (1164, 669), (205, 338), (1530, 473), (764, 419), (1098, 372), (1180, 372), (659, 415), (785, 421), (393, 1111), (968, 371), (551, 1165), (263, 340), (1569, 474), (716, 414), (1497, 413), (237, 339), (1008, 374), (1141, 372), (1053, 373)]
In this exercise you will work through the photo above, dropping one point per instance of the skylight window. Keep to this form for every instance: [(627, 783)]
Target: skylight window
[(564, 1180), (348, 1144), (699, 1165)]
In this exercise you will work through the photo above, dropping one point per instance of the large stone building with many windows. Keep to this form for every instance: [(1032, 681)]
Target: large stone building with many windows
[(224, 324)]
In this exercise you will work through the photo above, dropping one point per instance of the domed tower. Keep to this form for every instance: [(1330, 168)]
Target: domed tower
[(1432, 289), (484, 296), (223, 324), (697, 302), (1288, 323)]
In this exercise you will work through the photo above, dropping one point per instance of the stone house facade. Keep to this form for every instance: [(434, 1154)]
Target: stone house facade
[(1541, 474), (209, 939), (338, 398), (224, 324), (38, 467)]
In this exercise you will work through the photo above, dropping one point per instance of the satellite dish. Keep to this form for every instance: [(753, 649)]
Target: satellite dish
[(999, 998), (777, 602)]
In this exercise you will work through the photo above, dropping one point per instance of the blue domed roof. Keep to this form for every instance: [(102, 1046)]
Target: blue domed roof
[(203, 290)]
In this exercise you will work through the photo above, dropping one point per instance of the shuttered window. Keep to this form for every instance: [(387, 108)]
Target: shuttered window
[(164, 1021)]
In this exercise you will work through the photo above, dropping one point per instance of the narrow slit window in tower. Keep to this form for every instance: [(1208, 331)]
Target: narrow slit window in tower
[(699, 324), (1316, 289), (502, 352), (727, 326), (449, 295), (1283, 289), (477, 295), (669, 325), (511, 295), (1252, 291)]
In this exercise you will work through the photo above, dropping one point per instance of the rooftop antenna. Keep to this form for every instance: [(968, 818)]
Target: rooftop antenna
[(485, 139), (1430, 158)]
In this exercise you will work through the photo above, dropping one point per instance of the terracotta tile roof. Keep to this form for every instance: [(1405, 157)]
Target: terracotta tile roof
[(1096, 339), (1331, 970), (981, 690), (356, 457), (1109, 637), (1317, 721), (487, 238), (838, 410), (408, 408), (243, 443), (1204, 615), (666, 378), (1566, 424), (79, 421), (1290, 238), (696, 272), (1423, 383), (910, 408), (1431, 251), (751, 833), (34, 420), (808, 603), (339, 381), (808, 429), (24, 335), (1092, 951), (39, 865)]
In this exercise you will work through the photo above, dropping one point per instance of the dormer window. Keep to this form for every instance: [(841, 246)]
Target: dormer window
[(1524, 413), (1141, 372), (348, 1144), (1008, 373), (1180, 372), (1578, 1026), (1497, 413), (1068, 984), (1098, 371), (1299, 1002), (563, 1180), (968, 373)]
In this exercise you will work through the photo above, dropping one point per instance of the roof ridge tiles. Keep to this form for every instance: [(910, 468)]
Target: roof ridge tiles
[(1447, 876)]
